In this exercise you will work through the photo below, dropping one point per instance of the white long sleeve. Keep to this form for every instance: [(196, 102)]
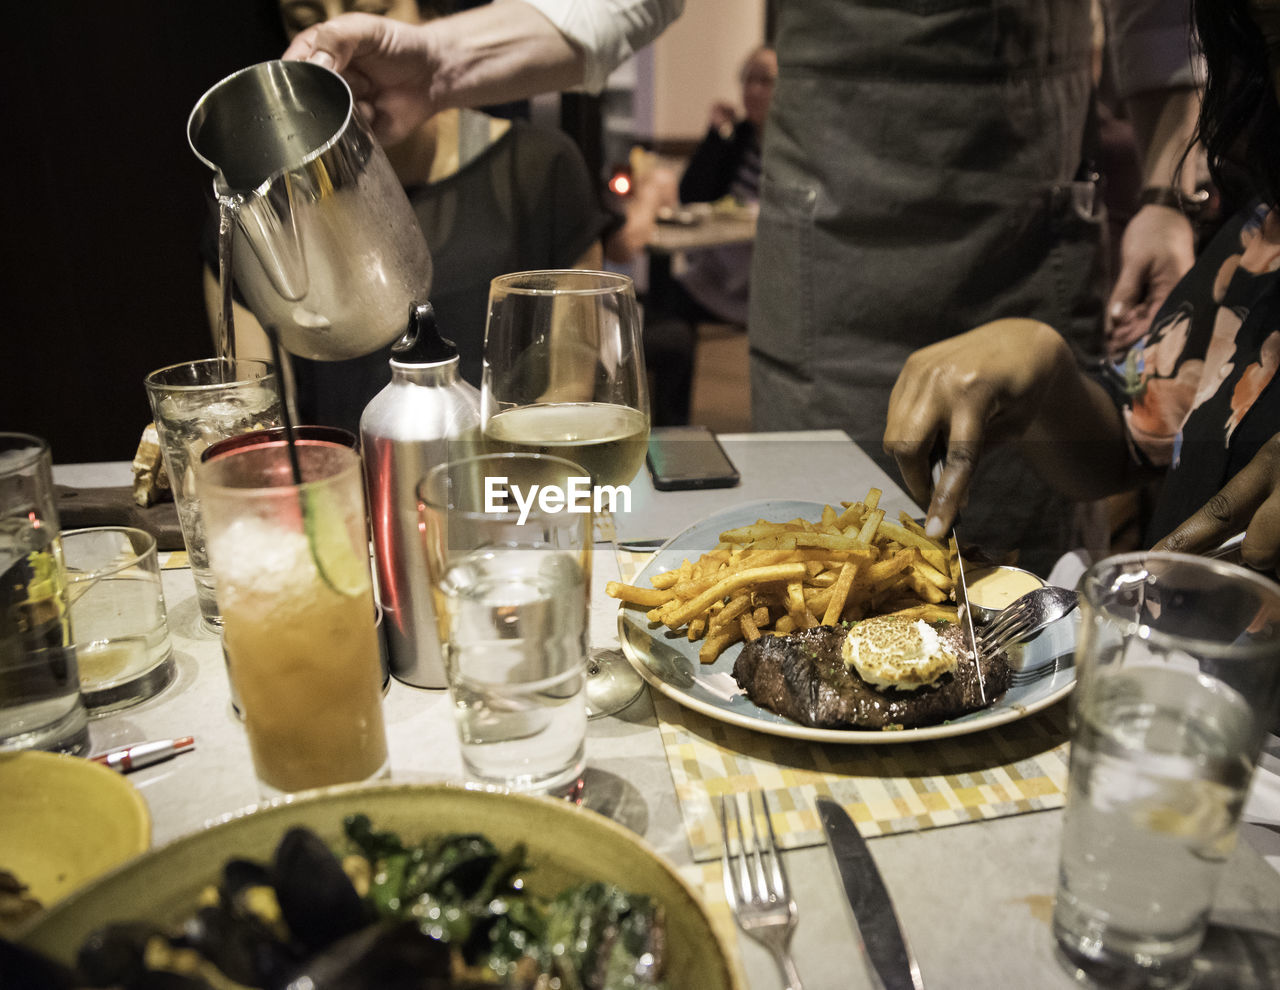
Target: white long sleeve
[(608, 31)]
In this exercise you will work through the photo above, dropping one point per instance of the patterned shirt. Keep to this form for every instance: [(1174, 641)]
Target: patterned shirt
[(1198, 393)]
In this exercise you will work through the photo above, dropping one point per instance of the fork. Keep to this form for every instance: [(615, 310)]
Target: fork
[(1026, 617), (760, 897)]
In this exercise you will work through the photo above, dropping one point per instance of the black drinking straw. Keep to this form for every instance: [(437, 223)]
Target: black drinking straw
[(290, 444)]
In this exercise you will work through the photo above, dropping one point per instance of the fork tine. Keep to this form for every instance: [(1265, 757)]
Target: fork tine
[(780, 883), (763, 891), (744, 871), (730, 888), (1009, 634), (1016, 611)]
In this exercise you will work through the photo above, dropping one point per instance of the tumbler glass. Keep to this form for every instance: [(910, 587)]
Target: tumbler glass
[(195, 404), (1178, 666), (40, 703), (291, 562), (118, 616), (511, 580)]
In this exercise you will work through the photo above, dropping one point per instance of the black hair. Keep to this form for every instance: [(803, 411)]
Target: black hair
[(1239, 124)]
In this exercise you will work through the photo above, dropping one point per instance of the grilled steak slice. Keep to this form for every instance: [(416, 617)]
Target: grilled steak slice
[(804, 677)]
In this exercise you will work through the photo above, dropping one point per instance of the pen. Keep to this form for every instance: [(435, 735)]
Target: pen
[(143, 754)]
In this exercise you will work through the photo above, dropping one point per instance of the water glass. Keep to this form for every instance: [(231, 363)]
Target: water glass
[(196, 404), (292, 565), (509, 560), (40, 703), (118, 617), (1178, 666)]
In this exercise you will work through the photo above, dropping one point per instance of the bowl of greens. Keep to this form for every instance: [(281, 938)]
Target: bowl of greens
[(386, 885)]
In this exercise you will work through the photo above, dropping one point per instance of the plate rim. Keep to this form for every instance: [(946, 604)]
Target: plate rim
[(796, 730)]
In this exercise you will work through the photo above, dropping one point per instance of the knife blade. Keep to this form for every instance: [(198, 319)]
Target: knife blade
[(873, 913), (962, 606), (961, 590)]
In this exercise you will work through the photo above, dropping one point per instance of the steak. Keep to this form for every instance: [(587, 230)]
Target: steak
[(804, 677)]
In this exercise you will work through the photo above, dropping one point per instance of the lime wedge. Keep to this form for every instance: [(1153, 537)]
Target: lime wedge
[(340, 566)]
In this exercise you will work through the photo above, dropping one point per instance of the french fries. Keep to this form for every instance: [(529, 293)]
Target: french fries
[(779, 577)]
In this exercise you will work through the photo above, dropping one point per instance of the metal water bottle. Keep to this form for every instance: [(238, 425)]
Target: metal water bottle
[(425, 416)]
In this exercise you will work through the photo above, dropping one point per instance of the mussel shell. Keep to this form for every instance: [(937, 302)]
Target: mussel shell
[(241, 874), (389, 955), (163, 979), (240, 945), (317, 899), (21, 967), (113, 955)]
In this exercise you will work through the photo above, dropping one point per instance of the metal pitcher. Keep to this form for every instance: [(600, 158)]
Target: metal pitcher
[(336, 256)]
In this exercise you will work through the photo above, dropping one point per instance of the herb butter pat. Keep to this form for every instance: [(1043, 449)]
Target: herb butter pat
[(889, 651)]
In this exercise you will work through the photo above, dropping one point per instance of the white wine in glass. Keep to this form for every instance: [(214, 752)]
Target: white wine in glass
[(564, 374)]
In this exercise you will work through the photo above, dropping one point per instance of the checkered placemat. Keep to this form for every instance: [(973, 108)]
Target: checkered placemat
[(173, 560), (1007, 770)]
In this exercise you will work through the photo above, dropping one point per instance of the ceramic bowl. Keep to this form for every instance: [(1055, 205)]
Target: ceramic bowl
[(65, 821), (993, 588), (565, 844)]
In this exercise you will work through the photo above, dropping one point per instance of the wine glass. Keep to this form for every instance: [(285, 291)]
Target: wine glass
[(564, 374)]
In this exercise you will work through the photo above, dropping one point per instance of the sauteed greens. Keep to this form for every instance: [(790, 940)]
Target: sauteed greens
[(464, 891), (452, 911)]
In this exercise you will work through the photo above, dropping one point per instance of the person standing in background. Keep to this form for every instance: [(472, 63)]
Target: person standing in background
[(926, 170)]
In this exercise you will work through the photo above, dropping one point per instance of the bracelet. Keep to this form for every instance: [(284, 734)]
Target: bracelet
[(1189, 204)]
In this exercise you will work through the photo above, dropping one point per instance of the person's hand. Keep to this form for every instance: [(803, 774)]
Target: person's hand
[(389, 65), (723, 118), (1157, 249), (1250, 502), (967, 392)]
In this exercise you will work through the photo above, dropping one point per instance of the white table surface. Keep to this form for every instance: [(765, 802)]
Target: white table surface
[(975, 900)]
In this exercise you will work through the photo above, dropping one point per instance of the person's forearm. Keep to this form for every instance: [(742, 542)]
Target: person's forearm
[(1164, 124), (504, 50)]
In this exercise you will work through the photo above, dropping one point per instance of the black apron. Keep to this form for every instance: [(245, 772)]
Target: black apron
[(921, 167)]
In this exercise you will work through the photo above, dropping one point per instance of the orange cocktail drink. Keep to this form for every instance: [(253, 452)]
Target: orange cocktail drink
[(292, 565)]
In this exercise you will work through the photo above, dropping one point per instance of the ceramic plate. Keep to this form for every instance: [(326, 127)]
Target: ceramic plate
[(65, 821), (566, 844), (669, 662)]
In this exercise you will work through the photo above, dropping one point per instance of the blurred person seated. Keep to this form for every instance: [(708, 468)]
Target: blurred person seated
[(711, 285), (492, 195), (668, 344), (1194, 402)]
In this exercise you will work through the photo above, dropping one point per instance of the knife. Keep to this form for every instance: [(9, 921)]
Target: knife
[(873, 913), (962, 605), (962, 592)]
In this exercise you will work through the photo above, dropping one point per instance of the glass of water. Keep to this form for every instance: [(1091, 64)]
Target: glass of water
[(1178, 666), (118, 616), (40, 702), (196, 404), (507, 540)]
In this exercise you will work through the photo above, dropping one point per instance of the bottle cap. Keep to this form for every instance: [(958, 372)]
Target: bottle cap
[(421, 343)]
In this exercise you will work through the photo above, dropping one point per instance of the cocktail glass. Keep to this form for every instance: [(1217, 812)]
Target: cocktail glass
[(291, 562)]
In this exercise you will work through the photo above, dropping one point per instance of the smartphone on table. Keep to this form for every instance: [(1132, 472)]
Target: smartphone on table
[(684, 458)]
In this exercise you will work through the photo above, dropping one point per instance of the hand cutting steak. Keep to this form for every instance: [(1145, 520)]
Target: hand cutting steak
[(804, 677)]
